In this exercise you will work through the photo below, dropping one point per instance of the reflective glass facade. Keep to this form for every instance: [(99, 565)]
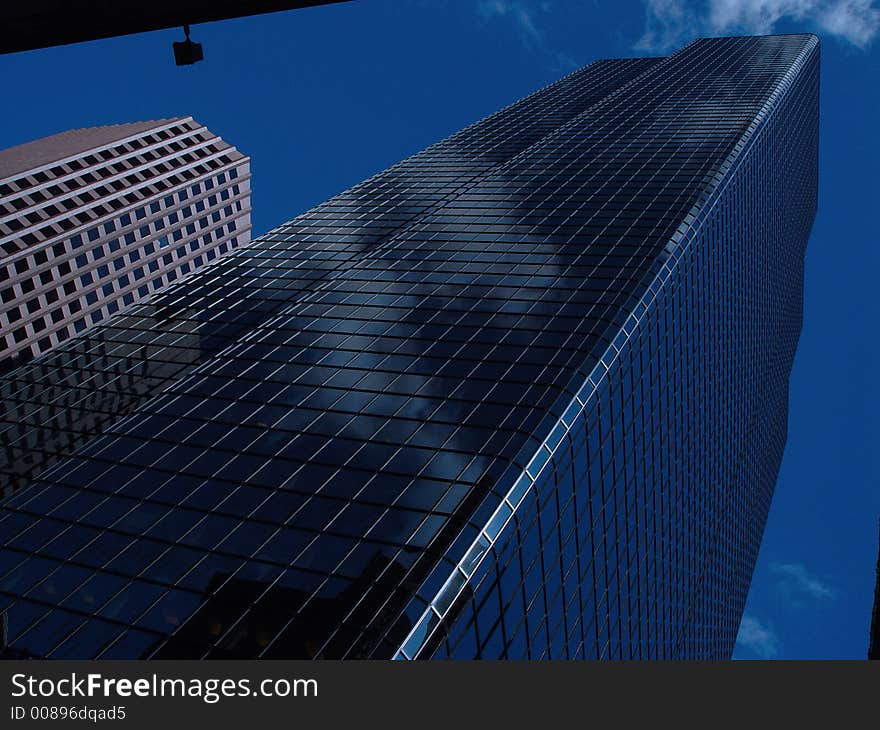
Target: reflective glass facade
[(520, 395)]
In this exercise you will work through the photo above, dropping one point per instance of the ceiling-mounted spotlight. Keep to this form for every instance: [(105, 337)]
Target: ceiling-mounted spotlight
[(187, 52)]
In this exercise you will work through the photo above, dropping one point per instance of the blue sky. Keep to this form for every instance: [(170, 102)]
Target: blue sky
[(322, 98)]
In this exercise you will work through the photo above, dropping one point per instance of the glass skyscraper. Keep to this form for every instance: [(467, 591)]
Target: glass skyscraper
[(521, 395)]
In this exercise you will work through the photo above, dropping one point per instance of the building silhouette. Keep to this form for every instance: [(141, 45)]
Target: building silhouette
[(93, 220), (521, 395)]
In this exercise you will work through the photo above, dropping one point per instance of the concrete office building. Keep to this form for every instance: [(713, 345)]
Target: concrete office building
[(93, 220)]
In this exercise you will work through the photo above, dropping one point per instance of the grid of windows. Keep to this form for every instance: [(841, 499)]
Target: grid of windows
[(107, 225), (410, 421), (51, 408), (633, 534), (633, 530)]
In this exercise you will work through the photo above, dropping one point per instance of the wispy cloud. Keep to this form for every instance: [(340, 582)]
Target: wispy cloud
[(858, 21), (758, 638), (521, 14), (669, 23), (527, 19), (797, 586)]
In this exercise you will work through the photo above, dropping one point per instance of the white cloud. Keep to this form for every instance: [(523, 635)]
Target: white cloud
[(669, 23), (757, 638), (856, 20), (756, 16), (796, 584)]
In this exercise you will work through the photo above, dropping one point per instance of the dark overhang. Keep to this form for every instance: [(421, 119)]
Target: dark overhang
[(29, 24)]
